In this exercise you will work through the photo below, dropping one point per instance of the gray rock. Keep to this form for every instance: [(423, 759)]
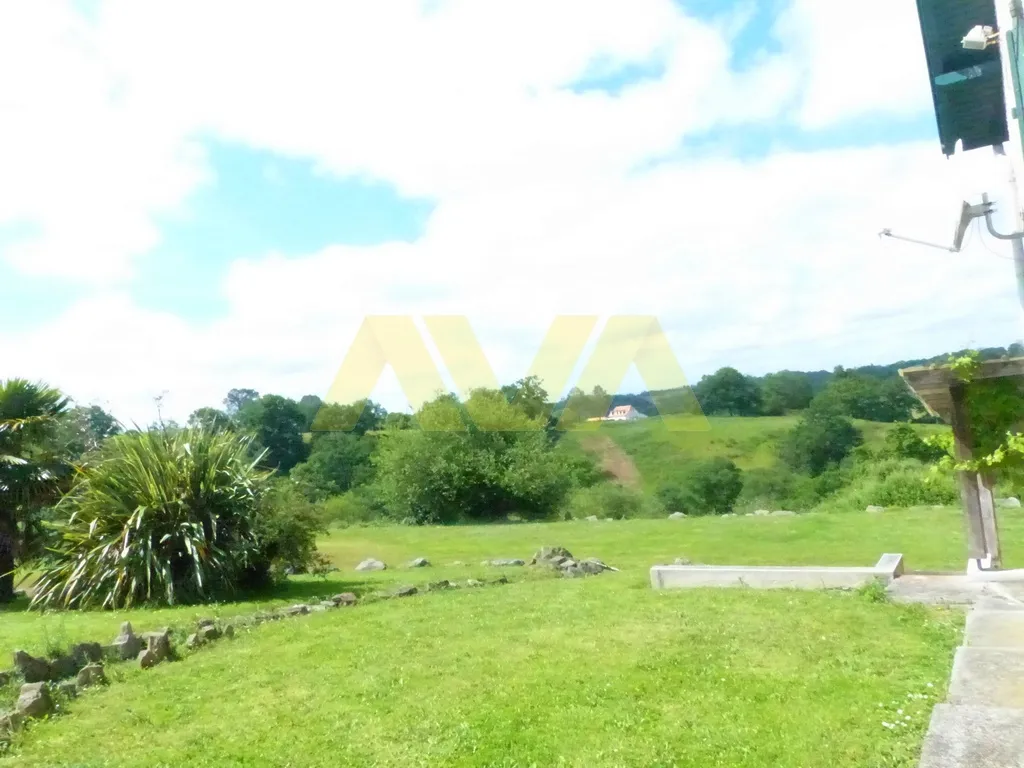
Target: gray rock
[(148, 658), (503, 579), (194, 640), (681, 561), (474, 583), (761, 513), (205, 623), (33, 670), (35, 700), (504, 563), (328, 604), (592, 566), (11, 722), (87, 653), (126, 644), (296, 610), (592, 518), (208, 633), (62, 667), (91, 674), (573, 572), (68, 688), (159, 644), (404, 591), (318, 608), (371, 565), (419, 562), (551, 556), (567, 564), (229, 631), (677, 516), (345, 599), (783, 513), (434, 586), (873, 509), (1010, 503)]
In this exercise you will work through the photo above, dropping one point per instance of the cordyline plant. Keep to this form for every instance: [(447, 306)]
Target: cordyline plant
[(164, 516)]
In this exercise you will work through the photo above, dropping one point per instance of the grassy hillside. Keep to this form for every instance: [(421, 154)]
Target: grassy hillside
[(652, 451), (549, 672)]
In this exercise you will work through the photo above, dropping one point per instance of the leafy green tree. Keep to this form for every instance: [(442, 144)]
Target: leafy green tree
[(822, 438), (31, 471), (310, 405), (398, 421), (358, 418), (277, 424), (82, 430), (529, 396), (164, 516), (903, 441), (337, 462), (728, 392), (711, 487), (859, 396), (210, 419), (785, 391), (237, 399)]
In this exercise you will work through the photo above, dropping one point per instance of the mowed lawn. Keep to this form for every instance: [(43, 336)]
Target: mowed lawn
[(601, 671)]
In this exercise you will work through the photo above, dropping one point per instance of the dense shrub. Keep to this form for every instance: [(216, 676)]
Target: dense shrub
[(285, 527), (168, 516), (353, 508), (337, 462), (611, 500), (821, 439), (715, 485), (893, 483), (778, 487), (903, 442), (677, 497), (481, 460)]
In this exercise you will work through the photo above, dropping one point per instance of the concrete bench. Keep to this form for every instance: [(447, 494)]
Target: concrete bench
[(889, 567)]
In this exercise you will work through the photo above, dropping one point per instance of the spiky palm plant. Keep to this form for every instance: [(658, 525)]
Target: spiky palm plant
[(162, 516), (30, 471)]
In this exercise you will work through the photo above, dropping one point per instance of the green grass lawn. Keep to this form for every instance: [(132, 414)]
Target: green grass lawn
[(547, 672)]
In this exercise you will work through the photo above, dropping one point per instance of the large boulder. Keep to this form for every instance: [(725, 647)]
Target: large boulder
[(35, 700), (91, 674), (158, 644), (87, 653), (208, 633), (127, 645), (33, 670), (553, 556), (63, 667), (371, 565)]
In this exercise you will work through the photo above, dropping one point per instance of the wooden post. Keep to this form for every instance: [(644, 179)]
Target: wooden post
[(970, 484)]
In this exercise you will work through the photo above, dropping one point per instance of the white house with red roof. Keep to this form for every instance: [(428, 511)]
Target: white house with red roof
[(624, 413)]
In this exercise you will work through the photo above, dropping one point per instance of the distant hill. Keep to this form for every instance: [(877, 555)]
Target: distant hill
[(644, 401)]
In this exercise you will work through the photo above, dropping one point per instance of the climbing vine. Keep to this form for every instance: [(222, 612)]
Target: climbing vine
[(995, 411)]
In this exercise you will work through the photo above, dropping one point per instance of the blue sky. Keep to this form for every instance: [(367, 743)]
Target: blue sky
[(228, 219)]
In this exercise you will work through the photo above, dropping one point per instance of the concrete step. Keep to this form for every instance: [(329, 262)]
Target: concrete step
[(974, 737), (995, 629), (992, 677)]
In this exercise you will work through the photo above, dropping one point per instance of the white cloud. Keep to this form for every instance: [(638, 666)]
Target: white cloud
[(856, 59), (760, 263)]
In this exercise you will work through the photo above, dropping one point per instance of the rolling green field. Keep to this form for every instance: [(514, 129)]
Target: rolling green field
[(601, 671), (659, 449)]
